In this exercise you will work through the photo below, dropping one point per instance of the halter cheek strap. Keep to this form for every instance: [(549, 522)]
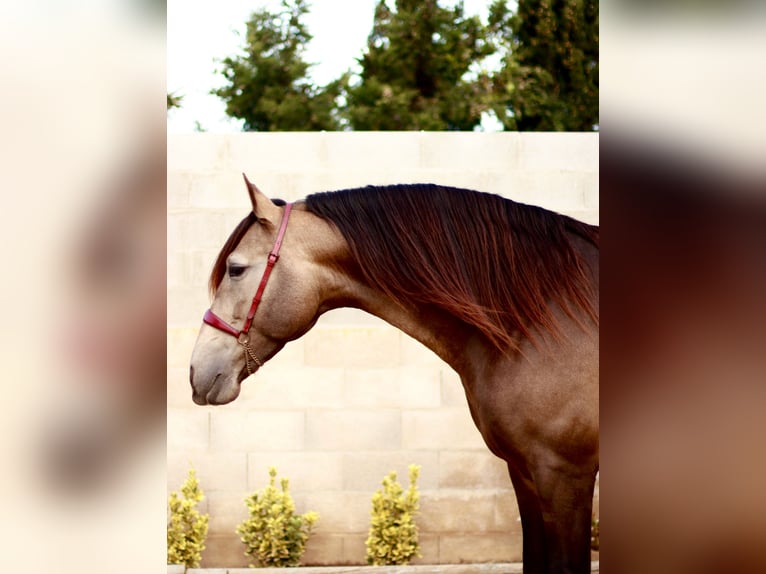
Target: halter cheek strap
[(243, 335)]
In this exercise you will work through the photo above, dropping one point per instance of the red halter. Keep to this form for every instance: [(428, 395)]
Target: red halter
[(242, 335)]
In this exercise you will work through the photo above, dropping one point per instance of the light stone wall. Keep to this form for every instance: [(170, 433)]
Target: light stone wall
[(354, 398)]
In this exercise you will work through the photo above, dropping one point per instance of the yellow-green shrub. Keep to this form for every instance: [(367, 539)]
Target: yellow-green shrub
[(393, 537), (274, 535), (594, 534), (187, 527)]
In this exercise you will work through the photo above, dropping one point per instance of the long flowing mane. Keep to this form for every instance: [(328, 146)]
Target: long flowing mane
[(491, 262)]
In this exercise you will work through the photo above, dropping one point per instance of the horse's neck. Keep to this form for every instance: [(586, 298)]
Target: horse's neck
[(435, 329), (455, 342)]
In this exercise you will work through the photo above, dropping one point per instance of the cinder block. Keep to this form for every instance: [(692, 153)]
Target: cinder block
[(452, 391), (188, 429), (402, 386), (199, 229), (180, 345), (490, 547), (178, 188), (364, 471), (355, 549), (179, 391), (352, 347), (372, 387), (296, 387), (219, 190), (460, 149), (553, 190), (197, 152), (420, 387), (378, 429), (227, 510), (215, 470), (178, 374), (362, 150), (575, 151), (346, 177), (247, 151), (429, 549), (289, 184), (225, 551), (442, 429), (200, 264), (254, 431), (457, 511), (414, 353), (507, 517), (472, 469), (290, 356), (307, 471), (185, 309), (177, 270), (339, 512), (323, 550), (587, 183)]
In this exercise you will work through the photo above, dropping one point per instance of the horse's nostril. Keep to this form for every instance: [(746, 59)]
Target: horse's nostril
[(191, 374)]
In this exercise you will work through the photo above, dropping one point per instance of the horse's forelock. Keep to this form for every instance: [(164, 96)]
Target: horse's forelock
[(219, 267)]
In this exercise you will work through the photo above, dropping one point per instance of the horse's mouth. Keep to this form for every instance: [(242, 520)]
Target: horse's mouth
[(199, 399), (211, 398), (208, 395), (218, 393)]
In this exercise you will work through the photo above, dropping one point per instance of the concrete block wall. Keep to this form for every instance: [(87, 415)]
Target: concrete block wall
[(354, 398)]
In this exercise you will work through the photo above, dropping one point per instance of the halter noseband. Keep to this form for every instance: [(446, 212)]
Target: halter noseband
[(243, 335)]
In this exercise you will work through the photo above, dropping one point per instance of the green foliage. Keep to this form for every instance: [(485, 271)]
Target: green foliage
[(267, 85), (187, 528), (594, 533), (393, 537), (174, 101), (274, 535), (549, 80), (424, 68), (421, 70)]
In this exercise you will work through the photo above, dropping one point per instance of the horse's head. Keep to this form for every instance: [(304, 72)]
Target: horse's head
[(229, 347)]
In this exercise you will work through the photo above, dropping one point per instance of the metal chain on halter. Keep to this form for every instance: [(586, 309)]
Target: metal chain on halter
[(249, 355)]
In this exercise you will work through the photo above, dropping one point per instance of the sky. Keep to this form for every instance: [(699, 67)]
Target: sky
[(198, 33)]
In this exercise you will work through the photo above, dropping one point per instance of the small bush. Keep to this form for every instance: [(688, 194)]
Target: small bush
[(187, 528), (594, 534), (393, 537), (274, 535)]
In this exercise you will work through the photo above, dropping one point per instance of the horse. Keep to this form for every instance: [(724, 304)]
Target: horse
[(505, 293)]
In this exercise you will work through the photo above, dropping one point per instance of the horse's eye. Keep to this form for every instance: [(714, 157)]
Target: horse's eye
[(236, 270)]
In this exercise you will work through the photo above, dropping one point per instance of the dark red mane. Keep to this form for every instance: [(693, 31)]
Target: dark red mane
[(491, 262)]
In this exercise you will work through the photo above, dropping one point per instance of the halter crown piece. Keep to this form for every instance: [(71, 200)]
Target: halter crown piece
[(243, 335)]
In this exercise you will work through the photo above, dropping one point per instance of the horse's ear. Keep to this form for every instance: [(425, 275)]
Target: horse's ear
[(263, 207)]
